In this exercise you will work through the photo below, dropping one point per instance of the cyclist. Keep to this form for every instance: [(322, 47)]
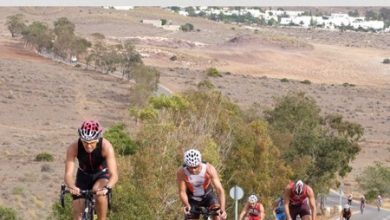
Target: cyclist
[(253, 209), (278, 209), (195, 181), (346, 212), (379, 202), (349, 198), (296, 197), (362, 203), (97, 168)]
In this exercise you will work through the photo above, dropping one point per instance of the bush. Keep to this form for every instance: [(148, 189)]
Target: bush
[(348, 84), (284, 80), (44, 157), (187, 27), (98, 36), (7, 214), (386, 61), (213, 72), (308, 82), (206, 84), (120, 140), (60, 213)]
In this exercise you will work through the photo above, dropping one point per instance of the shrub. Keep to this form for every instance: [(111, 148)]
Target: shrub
[(284, 80), (7, 214), (187, 27), (164, 21), (77, 65), (348, 84), (44, 157), (308, 82), (120, 140), (98, 36), (206, 84), (213, 72), (386, 61)]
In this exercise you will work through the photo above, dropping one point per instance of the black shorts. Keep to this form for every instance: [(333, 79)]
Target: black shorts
[(85, 180), (210, 200), (300, 209)]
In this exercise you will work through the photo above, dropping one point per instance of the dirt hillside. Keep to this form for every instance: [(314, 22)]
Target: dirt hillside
[(42, 102)]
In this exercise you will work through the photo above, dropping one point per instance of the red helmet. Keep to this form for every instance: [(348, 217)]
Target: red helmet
[(90, 130)]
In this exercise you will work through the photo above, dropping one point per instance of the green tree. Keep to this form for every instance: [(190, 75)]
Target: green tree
[(321, 146), (375, 180), (65, 38), (15, 24), (39, 36)]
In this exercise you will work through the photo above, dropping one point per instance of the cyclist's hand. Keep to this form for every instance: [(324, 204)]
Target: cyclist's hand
[(187, 210), (74, 191), (223, 214), (102, 192)]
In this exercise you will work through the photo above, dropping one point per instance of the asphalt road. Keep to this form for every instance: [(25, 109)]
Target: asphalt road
[(370, 212)]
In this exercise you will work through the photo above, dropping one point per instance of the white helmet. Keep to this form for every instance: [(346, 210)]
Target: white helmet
[(298, 187), (252, 199), (346, 206), (192, 158)]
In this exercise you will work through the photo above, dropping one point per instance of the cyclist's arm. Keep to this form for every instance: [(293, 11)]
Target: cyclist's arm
[(244, 211), (217, 184), (286, 198), (262, 214), (71, 154), (111, 163), (312, 202), (182, 187)]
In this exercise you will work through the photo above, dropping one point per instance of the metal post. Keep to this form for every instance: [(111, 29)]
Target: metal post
[(341, 193), (236, 204)]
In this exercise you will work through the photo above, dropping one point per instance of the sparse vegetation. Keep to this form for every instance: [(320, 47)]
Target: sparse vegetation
[(386, 61), (207, 84), (213, 72), (98, 36), (348, 85), (284, 80), (306, 81), (44, 157), (7, 214)]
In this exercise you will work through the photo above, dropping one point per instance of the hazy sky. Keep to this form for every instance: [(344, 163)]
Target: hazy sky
[(196, 2)]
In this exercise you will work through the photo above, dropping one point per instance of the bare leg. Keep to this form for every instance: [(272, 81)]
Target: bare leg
[(101, 201), (78, 207)]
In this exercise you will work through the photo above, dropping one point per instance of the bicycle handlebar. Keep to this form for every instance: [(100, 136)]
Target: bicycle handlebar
[(205, 211), (84, 193)]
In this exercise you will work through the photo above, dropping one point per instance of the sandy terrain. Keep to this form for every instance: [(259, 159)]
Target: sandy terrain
[(42, 102), (41, 105)]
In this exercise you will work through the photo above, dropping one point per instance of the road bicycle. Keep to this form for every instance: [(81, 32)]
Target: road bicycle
[(206, 213), (89, 201)]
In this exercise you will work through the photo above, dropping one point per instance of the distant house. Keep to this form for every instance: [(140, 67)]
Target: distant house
[(156, 23), (285, 21), (366, 25)]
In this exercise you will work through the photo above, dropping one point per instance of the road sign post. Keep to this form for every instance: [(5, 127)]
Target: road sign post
[(236, 193)]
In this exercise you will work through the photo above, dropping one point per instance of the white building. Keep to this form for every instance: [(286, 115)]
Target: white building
[(303, 21), (156, 23), (366, 25)]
